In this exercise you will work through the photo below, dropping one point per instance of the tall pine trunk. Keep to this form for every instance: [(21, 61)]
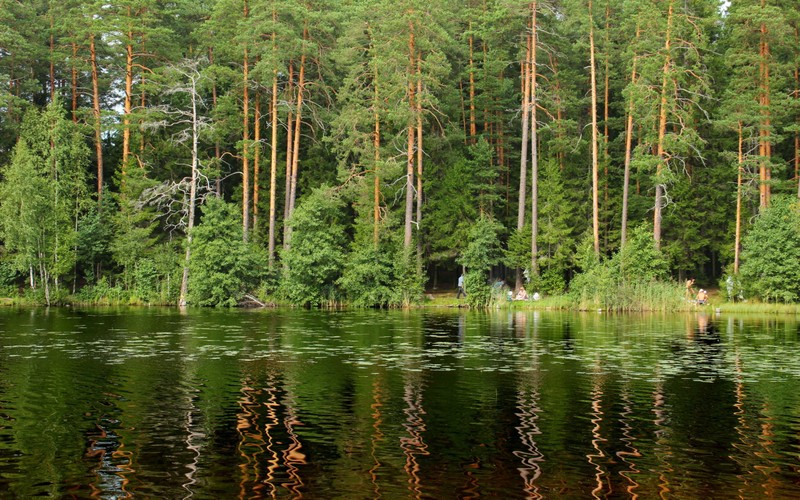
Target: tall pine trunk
[(473, 130), (593, 76), (126, 116), (523, 161), (409, 214), (245, 142), (297, 124), (256, 158), (74, 79), (419, 156), (98, 139), (534, 145), (737, 242), (662, 129), (192, 195), (765, 141), (273, 162), (289, 156), (628, 151), (376, 144)]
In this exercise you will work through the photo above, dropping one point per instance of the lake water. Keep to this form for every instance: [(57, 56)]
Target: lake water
[(111, 403)]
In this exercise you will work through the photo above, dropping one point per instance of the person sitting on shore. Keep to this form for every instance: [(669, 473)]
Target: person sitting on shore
[(521, 294), (702, 297)]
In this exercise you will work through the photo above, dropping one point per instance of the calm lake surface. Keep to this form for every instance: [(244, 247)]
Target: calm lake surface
[(109, 403)]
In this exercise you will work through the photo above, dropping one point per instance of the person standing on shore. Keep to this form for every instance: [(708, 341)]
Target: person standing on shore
[(461, 287)]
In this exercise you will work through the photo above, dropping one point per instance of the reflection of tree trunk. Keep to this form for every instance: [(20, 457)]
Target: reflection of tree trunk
[(414, 444), (629, 439), (528, 412), (596, 459), (293, 456), (661, 449), (251, 442), (377, 434)]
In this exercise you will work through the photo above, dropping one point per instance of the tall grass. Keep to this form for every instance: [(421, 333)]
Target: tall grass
[(632, 296)]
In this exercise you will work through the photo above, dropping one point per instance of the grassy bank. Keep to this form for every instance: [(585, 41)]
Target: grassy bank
[(564, 302)]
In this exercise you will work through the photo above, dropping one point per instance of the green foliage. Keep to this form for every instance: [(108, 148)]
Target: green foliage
[(635, 278), (368, 279), (222, 268), (483, 251), (771, 253), (315, 259), (42, 196)]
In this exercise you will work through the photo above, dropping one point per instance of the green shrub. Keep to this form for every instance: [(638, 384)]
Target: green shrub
[(369, 278), (634, 279), (222, 267), (483, 251), (315, 259), (771, 253)]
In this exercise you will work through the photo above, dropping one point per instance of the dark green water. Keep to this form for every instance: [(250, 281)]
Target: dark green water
[(422, 404)]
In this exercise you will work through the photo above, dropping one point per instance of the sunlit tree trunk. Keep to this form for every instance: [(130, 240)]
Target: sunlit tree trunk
[(525, 75), (297, 124), (126, 116), (797, 99), (534, 145), (473, 130), (192, 191), (628, 151), (737, 242), (74, 78), (98, 140), (273, 165), (419, 155), (52, 61), (246, 138), (256, 158), (765, 141), (662, 129), (606, 97), (593, 76), (523, 162), (410, 143), (376, 144), (289, 157), (217, 152)]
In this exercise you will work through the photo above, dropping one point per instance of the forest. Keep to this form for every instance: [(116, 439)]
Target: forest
[(363, 151)]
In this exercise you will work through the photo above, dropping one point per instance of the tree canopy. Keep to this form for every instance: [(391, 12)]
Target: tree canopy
[(373, 148)]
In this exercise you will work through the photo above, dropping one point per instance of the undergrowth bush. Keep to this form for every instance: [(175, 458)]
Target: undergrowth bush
[(634, 279)]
